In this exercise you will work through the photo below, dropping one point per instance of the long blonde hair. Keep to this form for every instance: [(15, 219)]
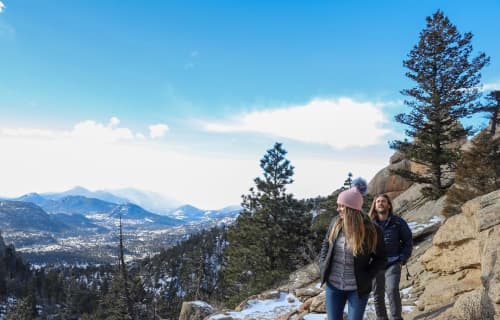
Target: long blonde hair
[(357, 229)]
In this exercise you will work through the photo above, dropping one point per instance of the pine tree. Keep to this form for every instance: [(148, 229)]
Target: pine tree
[(25, 309), (117, 304), (478, 172), (264, 242), (446, 90), (492, 107), (348, 181), (124, 273)]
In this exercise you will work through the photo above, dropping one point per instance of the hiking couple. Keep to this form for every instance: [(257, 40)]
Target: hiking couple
[(362, 252)]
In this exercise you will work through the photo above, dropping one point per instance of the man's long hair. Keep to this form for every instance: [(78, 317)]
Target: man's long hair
[(357, 230), (373, 213)]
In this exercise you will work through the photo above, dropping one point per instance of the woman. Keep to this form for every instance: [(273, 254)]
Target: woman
[(352, 254)]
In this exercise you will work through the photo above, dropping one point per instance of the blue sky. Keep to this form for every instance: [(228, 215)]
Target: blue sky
[(184, 97)]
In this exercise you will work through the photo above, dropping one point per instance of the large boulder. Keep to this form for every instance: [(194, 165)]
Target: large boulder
[(302, 277), (385, 181), (445, 289), (195, 310), (490, 268), (456, 247), (461, 278)]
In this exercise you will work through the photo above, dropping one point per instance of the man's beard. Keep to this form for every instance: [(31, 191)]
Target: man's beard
[(386, 211)]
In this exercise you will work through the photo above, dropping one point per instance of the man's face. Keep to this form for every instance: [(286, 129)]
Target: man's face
[(382, 205)]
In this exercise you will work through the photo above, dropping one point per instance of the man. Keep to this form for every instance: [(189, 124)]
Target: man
[(399, 245)]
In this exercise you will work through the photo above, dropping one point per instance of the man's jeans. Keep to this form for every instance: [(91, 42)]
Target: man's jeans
[(336, 300), (388, 281)]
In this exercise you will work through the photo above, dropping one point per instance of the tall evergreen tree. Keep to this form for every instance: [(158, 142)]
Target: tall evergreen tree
[(117, 304), (447, 77), (264, 241), (492, 107), (124, 273)]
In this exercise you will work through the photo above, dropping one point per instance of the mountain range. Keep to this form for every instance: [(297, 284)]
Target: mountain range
[(79, 200), (83, 220)]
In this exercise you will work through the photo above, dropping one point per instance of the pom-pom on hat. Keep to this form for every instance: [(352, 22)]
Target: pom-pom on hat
[(353, 197)]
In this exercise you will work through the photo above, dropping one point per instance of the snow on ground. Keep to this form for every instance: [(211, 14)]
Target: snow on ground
[(316, 316), (417, 227), (41, 248), (263, 309), (408, 308), (202, 304), (271, 309), (406, 291)]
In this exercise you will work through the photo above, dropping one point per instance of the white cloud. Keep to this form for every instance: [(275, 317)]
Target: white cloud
[(2, 6), (87, 130), (157, 130), (491, 86), (113, 122), (339, 123), (90, 130)]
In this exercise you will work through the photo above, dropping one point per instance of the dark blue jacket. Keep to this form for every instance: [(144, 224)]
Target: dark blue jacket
[(397, 237)]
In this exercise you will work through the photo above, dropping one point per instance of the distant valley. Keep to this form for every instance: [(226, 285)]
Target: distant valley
[(80, 226)]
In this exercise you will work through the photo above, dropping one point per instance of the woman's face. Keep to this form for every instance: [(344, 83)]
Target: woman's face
[(341, 210)]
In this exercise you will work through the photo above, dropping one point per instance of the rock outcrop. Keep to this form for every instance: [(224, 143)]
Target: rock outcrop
[(195, 310), (462, 269), (387, 182)]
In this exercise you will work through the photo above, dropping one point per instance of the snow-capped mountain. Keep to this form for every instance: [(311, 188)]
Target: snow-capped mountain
[(151, 201), (187, 213), (81, 191)]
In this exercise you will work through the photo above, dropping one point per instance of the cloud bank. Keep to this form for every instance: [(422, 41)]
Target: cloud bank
[(85, 131), (339, 123), (110, 156)]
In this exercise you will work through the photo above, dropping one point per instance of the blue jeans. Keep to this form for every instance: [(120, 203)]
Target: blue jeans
[(335, 303)]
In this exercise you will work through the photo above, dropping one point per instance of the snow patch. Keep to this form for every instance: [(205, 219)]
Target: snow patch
[(316, 316), (202, 304), (263, 309), (417, 227)]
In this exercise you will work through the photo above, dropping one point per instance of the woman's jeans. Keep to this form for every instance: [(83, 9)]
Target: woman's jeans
[(336, 300)]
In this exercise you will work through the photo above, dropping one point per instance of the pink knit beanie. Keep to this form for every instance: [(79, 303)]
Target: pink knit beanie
[(353, 197)]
